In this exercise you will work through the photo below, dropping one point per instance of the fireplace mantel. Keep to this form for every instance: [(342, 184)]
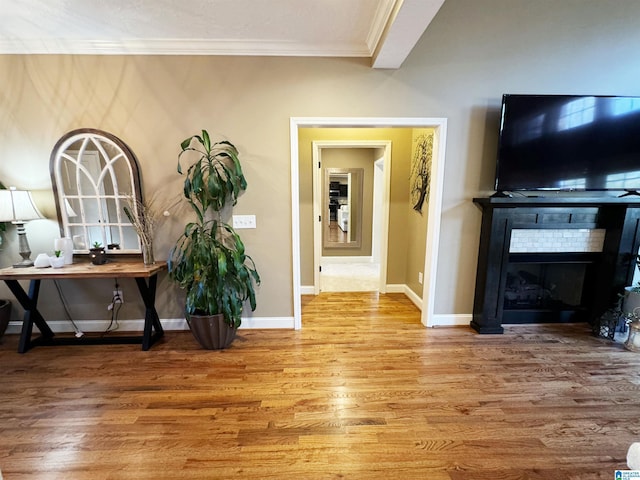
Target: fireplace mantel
[(606, 271)]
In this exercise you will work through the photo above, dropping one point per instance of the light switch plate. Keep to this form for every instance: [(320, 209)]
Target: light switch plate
[(244, 221)]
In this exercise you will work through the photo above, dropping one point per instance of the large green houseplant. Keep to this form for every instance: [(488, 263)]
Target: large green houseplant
[(209, 261)]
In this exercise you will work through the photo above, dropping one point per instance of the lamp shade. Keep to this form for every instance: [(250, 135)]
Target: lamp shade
[(17, 206)]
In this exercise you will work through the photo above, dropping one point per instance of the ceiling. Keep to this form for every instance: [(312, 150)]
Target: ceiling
[(383, 30)]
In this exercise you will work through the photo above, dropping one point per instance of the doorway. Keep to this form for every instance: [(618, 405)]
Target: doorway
[(362, 264), (434, 204)]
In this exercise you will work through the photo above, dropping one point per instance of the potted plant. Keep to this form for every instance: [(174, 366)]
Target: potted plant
[(57, 261), (97, 254), (209, 261)]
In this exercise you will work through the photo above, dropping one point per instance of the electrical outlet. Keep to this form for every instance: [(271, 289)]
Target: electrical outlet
[(118, 297), (420, 278), (244, 221)]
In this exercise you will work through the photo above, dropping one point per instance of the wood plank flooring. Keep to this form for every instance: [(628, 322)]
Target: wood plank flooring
[(336, 234), (363, 391)]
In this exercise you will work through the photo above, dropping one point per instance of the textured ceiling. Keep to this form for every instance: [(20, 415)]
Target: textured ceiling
[(383, 30)]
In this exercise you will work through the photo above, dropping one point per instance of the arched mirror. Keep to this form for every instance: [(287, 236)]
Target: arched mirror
[(342, 202), (94, 176)]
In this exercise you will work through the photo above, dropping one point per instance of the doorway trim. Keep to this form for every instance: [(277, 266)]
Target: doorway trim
[(434, 206), (318, 211)]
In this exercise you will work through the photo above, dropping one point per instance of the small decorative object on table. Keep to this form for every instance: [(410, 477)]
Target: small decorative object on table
[(57, 260), (143, 219), (97, 254), (65, 245), (42, 261)]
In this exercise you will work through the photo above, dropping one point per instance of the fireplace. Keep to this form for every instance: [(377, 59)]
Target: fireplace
[(553, 259), (543, 292)]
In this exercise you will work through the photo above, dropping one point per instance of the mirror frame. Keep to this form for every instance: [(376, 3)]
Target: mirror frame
[(95, 136), (357, 184)]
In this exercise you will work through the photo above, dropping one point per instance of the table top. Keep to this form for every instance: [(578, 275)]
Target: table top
[(125, 268)]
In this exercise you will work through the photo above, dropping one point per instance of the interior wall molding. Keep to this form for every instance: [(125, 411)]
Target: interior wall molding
[(452, 320), (137, 325), (156, 46), (411, 295)]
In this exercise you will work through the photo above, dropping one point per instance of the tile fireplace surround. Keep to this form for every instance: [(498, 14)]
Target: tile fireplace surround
[(536, 240)]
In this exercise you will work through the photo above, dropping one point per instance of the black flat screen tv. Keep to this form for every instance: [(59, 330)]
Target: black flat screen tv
[(568, 143)]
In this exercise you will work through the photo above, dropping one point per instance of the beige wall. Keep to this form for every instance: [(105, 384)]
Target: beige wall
[(472, 53), (417, 229)]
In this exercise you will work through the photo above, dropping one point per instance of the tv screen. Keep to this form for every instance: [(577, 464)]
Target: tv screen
[(569, 142)]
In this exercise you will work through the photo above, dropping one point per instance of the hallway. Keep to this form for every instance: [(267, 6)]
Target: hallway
[(350, 277)]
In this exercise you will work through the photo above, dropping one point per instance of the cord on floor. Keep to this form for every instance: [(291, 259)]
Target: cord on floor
[(79, 333)]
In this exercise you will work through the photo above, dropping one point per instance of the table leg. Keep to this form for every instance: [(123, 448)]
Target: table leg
[(31, 314), (151, 320)]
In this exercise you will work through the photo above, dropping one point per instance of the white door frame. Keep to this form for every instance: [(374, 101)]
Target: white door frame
[(376, 224), (318, 210), (435, 198)]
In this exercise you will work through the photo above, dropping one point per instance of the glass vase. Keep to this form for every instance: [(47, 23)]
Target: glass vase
[(147, 254)]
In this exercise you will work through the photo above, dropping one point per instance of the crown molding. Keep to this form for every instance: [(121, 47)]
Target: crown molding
[(179, 47), (403, 28), (380, 23)]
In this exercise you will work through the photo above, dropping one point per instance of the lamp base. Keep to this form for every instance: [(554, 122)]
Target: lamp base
[(27, 262), (23, 247)]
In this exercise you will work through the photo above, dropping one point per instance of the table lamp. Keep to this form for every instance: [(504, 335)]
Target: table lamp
[(17, 207)]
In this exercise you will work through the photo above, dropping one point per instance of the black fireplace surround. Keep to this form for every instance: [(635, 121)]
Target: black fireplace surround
[(552, 286)]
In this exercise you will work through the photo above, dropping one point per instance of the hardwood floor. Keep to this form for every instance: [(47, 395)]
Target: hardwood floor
[(336, 234), (363, 391)]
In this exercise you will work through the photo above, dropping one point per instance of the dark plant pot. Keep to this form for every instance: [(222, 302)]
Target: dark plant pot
[(5, 315), (98, 256), (211, 331)]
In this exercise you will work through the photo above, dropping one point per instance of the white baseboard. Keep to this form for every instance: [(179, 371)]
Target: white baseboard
[(396, 288), (168, 324), (178, 324), (452, 320), (93, 326), (137, 325), (411, 295), (307, 290), (268, 322)]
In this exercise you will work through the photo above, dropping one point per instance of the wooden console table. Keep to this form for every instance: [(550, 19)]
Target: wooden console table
[(145, 276)]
